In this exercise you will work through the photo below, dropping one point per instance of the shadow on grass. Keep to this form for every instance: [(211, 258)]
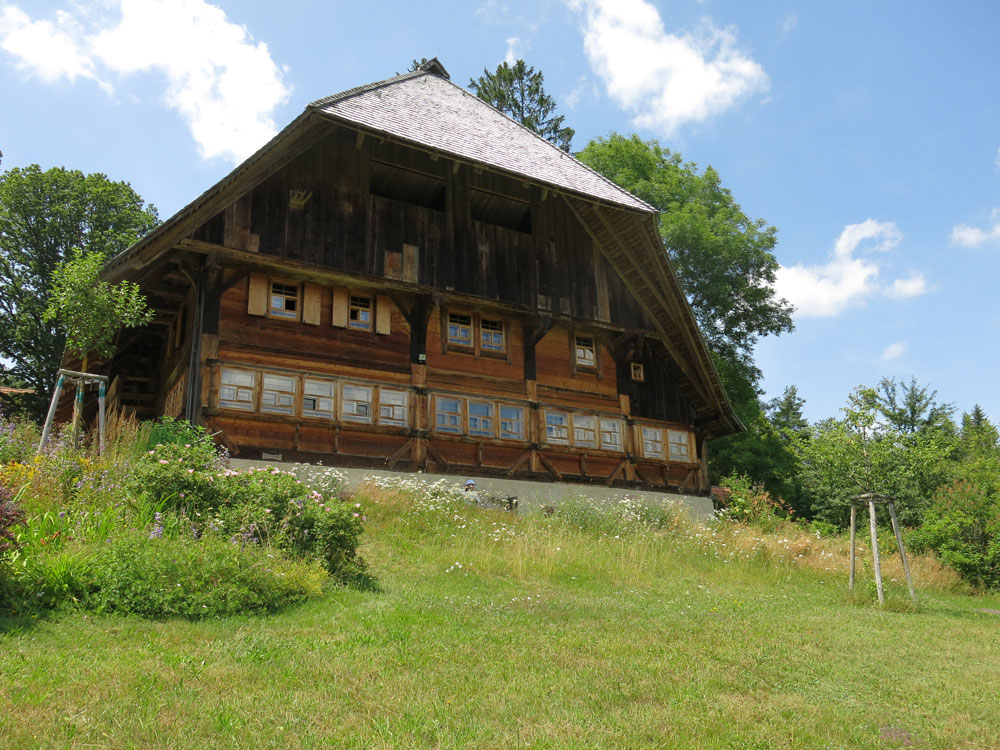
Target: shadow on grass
[(360, 580)]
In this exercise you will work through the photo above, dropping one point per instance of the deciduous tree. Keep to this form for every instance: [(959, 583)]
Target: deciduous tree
[(44, 217)]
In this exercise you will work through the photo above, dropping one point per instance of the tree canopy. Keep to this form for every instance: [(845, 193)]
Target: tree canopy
[(45, 216), (516, 90), (723, 258)]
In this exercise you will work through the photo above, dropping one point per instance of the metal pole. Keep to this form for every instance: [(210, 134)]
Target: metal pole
[(854, 513), (101, 392), (902, 553), (875, 557), (52, 412)]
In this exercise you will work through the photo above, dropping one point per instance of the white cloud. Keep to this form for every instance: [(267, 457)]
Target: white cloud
[(965, 236), (511, 57), (667, 80), (49, 49), (893, 351), (223, 84), (788, 23), (846, 280)]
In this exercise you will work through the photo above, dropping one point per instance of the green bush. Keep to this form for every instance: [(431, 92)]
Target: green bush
[(313, 529), (963, 527), (751, 503), (176, 476), (197, 578)]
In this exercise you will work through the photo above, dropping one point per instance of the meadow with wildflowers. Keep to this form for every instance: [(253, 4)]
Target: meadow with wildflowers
[(587, 624), (161, 526)]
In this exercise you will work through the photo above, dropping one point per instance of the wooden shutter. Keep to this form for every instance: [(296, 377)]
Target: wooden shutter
[(257, 305), (341, 300), (383, 314), (311, 303)]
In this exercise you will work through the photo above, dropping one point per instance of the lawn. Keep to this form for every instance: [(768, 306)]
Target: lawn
[(483, 629)]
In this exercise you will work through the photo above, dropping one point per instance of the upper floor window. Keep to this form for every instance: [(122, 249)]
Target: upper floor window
[(584, 431), (360, 313), (459, 329), (492, 335), (586, 352), (284, 300)]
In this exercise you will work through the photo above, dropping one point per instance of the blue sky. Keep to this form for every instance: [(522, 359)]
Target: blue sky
[(867, 133)]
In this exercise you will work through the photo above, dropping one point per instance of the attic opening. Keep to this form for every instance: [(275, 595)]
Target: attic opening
[(501, 210), (407, 185)]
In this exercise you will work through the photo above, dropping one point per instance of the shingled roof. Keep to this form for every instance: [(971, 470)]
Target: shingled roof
[(425, 107)]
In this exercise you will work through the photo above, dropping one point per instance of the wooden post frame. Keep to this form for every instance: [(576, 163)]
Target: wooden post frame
[(872, 499)]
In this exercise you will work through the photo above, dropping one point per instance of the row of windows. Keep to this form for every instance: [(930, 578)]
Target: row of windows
[(294, 395), (272, 393)]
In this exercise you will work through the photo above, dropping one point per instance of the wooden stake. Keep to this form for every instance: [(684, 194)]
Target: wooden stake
[(854, 514), (875, 557), (902, 553)]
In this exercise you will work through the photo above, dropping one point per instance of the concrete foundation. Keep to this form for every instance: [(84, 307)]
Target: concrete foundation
[(530, 495)]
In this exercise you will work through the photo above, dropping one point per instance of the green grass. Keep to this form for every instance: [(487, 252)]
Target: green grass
[(546, 636)]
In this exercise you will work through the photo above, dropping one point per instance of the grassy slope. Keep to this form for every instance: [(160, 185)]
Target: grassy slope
[(548, 637)]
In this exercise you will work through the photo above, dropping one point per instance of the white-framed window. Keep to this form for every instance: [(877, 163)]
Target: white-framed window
[(448, 414), (652, 442), (460, 329), (317, 398), (638, 373), (392, 407), (481, 421), (680, 445), (511, 422), (277, 393), (356, 403), (284, 300), (584, 431), (359, 315), (586, 352), (236, 390), (611, 434), (557, 427), (491, 336)]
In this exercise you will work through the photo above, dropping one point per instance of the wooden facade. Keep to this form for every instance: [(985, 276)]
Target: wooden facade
[(363, 299)]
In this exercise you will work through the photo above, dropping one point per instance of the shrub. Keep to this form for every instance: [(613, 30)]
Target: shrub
[(324, 531), (751, 503), (197, 578), (176, 475), (963, 528)]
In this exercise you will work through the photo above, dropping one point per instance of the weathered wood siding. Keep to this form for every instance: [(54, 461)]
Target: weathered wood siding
[(380, 210)]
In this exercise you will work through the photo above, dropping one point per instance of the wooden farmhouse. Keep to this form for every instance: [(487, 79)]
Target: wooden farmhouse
[(405, 278)]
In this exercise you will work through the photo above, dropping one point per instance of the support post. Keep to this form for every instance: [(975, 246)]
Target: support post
[(854, 527), (902, 553), (102, 390), (60, 382), (875, 556)]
